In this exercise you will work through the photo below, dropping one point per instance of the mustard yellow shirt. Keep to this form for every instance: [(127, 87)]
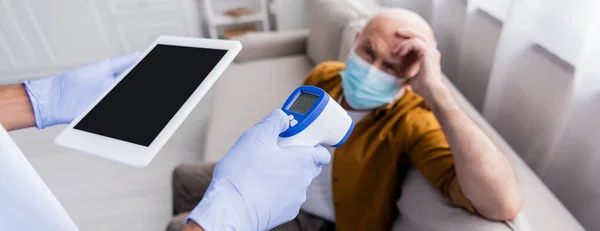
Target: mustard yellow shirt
[(369, 168)]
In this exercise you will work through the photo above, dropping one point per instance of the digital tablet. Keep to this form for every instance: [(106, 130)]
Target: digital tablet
[(132, 120)]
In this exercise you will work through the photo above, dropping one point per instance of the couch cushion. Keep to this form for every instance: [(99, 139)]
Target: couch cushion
[(265, 45), (326, 20), (246, 93), (364, 8), (423, 208), (348, 37)]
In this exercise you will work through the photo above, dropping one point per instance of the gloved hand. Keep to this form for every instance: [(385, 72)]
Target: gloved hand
[(257, 185), (59, 99)]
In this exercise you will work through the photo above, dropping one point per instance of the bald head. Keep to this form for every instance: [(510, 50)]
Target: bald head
[(380, 36), (389, 21)]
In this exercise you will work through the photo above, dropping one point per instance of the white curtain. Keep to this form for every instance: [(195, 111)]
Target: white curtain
[(532, 67), (543, 96)]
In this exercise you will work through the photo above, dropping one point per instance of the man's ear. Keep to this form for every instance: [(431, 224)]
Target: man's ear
[(357, 35)]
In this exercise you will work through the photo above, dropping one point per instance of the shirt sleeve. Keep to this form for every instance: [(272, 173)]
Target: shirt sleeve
[(430, 153)]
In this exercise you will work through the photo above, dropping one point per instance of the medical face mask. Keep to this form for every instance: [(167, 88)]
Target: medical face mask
[(365, 86)]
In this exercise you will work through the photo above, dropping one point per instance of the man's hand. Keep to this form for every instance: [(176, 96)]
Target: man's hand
[(424, 57), (59, 99)]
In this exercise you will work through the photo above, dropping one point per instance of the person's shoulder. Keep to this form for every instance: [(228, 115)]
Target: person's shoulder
[(324, 71), (329, 66), (417, 112)]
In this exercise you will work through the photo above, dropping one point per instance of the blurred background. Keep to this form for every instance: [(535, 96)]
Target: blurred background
[(530, 67)]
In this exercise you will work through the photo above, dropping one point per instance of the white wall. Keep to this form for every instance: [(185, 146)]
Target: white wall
[(290, 14), (39, 38)]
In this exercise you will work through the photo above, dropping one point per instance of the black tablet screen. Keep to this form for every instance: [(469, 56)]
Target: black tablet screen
[(140, 106)]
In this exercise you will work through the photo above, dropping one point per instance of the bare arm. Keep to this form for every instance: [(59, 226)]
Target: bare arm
[(484, 173), (15, 108), (192, 226)]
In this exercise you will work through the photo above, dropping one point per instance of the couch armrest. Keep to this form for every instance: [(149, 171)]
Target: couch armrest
[(264, 45), (423, 208)]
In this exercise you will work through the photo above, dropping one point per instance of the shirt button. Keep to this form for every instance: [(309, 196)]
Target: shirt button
[(335, 180), (337, 205)]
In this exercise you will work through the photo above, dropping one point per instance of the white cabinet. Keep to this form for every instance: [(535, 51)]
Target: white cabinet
[(43, 37)]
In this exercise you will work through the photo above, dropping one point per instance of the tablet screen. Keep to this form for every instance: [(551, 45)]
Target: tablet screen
[(141, 104)]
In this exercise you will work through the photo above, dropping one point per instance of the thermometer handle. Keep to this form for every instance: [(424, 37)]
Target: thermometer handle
[(295, 141)]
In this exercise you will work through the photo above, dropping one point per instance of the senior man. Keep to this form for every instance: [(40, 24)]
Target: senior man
[(397, 126)]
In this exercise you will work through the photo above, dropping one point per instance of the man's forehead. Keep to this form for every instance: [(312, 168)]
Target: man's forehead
[(385, 25)]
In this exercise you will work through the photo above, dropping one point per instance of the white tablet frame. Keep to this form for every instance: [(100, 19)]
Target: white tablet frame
[(138, 155)]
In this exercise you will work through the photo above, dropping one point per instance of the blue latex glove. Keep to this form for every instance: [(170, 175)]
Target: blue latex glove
[(257, 185), (59, 99)]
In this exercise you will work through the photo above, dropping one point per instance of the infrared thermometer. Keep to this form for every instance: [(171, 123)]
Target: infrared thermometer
[(315, 118)]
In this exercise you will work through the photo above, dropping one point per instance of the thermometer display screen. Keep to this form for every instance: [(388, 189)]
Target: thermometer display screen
[(303, 103)]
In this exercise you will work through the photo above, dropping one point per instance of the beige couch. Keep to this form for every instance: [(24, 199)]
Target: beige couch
[(271, 65)]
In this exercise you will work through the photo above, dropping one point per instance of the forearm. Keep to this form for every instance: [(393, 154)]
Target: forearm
[(483, 171), (15, 108), (192, 226)]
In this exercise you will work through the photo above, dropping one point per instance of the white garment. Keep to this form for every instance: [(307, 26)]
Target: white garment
[(26, 203), (319, 196)]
